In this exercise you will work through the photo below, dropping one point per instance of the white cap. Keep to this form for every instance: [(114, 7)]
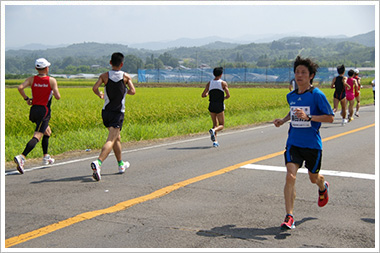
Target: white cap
[(42, 63), (356, 71)]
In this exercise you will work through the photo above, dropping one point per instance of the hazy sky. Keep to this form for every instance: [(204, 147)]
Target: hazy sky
[(74, 22)]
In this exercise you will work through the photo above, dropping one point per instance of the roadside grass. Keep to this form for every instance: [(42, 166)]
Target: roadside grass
[(151, 114)]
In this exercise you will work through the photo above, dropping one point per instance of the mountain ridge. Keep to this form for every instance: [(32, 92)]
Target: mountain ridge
[(367, 39), (278, 53)]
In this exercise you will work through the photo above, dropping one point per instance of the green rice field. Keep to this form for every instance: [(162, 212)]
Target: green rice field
[(150, 114)]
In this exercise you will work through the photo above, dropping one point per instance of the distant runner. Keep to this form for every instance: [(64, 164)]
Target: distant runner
[(350, 94), (339, 83), (43, 89), (373, 90), (357, 91), (215, 89)]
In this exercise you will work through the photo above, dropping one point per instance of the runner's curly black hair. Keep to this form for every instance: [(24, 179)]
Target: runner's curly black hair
[(308, 63)]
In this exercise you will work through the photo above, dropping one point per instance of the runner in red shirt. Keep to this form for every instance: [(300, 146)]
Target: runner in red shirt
[(43, 88), (357, 91)]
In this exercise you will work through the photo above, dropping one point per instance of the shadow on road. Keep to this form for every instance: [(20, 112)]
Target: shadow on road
[(368, 220), (83, 179), (68, 179), (190, 148), (231, 231)]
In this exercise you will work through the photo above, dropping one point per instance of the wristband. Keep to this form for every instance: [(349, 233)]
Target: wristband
[(27, 98)]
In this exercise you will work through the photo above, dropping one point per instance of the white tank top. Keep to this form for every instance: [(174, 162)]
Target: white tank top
[(216, 92), (216, 84)]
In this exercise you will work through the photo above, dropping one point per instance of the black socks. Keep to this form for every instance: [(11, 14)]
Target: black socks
[(45, 144), (30, 146)]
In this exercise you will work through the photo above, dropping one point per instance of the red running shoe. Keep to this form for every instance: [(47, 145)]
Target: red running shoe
[(288, 223), (324, 195)]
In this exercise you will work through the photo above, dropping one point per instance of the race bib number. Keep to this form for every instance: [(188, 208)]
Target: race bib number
[(297, 122)]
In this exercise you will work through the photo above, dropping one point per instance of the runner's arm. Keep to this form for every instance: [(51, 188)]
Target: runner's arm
[(356, 85), (96, 86), (344, 80), (131, 87), (280, 122), (21, 87), (333, 83), (317, 118), (323, 118), (54, 87), (205, 92), (225, 88)]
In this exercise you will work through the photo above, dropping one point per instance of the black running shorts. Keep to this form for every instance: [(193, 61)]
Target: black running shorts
[(340, 95), (113, 119), (312, 157), (216, 107), (40, 115)]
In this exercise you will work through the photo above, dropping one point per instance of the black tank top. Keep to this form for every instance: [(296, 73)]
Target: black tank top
[(216, 92), (115, 91), (339, 87)]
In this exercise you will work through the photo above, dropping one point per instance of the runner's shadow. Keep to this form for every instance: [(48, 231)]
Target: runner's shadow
[(191, 148), (16, 173), (84, 179), (368, 220), (230, 231)]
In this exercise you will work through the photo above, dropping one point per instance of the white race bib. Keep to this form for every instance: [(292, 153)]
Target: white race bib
[(297, 122)]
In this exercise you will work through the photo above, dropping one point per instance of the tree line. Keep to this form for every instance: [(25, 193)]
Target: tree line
[(81, 58)]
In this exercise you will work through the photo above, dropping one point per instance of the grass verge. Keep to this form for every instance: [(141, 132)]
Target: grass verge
[(152, 113)]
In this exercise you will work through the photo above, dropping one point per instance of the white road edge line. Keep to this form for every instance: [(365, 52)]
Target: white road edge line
[(138, 149), (305, 171)]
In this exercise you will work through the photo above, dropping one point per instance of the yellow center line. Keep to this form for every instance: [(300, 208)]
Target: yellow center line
[(156, 194), (349, 132)]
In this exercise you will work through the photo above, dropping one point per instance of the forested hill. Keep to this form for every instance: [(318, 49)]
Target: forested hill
[(358, 51)]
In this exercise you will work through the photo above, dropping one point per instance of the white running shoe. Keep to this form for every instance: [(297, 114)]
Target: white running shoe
[(215, 144), (344, 122), (123, 167), (47, 160), (212, 133), (20, 161), (96, 170)]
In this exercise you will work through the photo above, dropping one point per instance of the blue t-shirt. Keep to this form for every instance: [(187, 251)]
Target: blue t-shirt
[(305, 134)]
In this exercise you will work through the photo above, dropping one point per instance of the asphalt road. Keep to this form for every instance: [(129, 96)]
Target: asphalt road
[(229, 201)]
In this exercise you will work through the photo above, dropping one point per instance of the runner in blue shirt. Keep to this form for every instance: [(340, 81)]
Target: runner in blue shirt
[(308, 109)]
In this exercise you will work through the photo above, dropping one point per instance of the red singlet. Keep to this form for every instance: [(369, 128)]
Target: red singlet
[(41, 90)]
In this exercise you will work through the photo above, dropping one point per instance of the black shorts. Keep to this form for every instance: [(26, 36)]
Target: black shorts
[(113, 119), (40, 115), (216, 107), (312, 157), (340, 95)]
